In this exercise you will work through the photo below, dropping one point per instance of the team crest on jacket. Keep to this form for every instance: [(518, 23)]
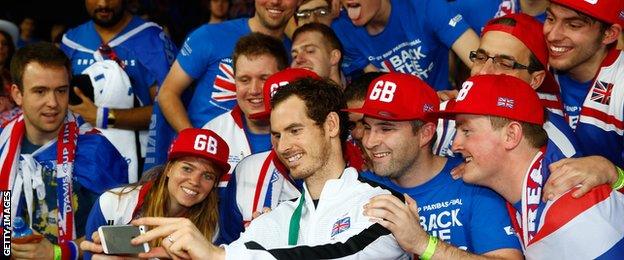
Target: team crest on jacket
[(340, 226)]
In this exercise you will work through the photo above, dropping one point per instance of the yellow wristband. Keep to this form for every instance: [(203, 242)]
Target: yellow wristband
[(57, 252), (431, 247), (620, 180)]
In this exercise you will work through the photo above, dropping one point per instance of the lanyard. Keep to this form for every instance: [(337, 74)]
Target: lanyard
[(293, 231), (65, 155)]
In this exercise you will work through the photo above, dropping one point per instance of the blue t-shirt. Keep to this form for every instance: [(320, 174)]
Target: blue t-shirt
[(257, 142), (467, 216), (479, 12), (573, 95), (416, 40)]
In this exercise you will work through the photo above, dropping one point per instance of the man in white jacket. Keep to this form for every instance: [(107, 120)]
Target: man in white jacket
[(308, 129)]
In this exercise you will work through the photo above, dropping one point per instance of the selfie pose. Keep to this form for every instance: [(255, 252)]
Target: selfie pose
[(183, 187)]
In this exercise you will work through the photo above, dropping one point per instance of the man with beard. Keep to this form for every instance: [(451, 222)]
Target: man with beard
[(142, 52), (398, 135), (308, 130)]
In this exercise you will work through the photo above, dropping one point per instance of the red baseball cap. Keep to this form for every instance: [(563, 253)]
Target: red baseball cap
[(399, 97), (497, 95), (530, 32), (202, 143), (277, 80), (609, 11)]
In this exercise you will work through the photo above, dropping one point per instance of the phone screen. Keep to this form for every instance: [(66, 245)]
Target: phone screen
[(116, 239), (83, 82)]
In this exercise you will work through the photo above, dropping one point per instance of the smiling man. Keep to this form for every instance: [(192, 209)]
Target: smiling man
[(398, 135), (326, 222), (30, 149), (256, 57), (581, 38), (205, 62), (500, 135)]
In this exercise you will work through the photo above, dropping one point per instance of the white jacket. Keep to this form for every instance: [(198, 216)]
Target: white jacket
[(336, 228)]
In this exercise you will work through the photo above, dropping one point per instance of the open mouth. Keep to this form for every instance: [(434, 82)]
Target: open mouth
[(294, 158), (274, 12), (380, 155), (557, 51), (189, 192), (354, 10)]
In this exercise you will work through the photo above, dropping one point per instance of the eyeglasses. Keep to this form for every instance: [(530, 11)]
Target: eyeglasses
[(109, 53), (319, 11), (502, 62)]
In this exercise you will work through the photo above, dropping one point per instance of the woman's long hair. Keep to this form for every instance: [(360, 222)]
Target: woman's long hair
[(205, 215)]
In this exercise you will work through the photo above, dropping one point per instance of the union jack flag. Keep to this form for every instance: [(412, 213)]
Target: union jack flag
[(601, 92), (341, 225), (224, 86), (505, 102)]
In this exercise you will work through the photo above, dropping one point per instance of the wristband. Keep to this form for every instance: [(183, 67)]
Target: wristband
[(620, 180), (73, 248), (431, 247), (101, 118), (57, 252)]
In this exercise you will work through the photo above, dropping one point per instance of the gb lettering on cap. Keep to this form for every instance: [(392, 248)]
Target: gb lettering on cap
[(399, 97), (201, 143)]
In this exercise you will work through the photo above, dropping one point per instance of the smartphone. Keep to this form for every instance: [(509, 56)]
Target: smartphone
[(116, 239), (82, 82)]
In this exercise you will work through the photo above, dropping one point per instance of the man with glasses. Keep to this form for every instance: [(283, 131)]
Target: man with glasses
[(511, 45), (316, 11)]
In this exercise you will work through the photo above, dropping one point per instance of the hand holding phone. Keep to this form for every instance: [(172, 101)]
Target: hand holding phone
[(116, 239)]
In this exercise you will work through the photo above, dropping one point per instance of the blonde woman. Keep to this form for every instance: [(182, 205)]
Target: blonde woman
[(183, 187)]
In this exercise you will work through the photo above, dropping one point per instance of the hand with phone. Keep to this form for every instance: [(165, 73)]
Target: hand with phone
[(113, 242), (81, 98)]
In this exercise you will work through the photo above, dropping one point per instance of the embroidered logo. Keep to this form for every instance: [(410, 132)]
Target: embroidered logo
[(601, 92), (340, 226), (505, 102)]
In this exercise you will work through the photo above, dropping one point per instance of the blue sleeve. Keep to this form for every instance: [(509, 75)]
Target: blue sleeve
[(195, 54), (99, 166), (490, 226), (159, 57), (230, 217), (444, 20), (352, 60), (94, 221), (477, 13)]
